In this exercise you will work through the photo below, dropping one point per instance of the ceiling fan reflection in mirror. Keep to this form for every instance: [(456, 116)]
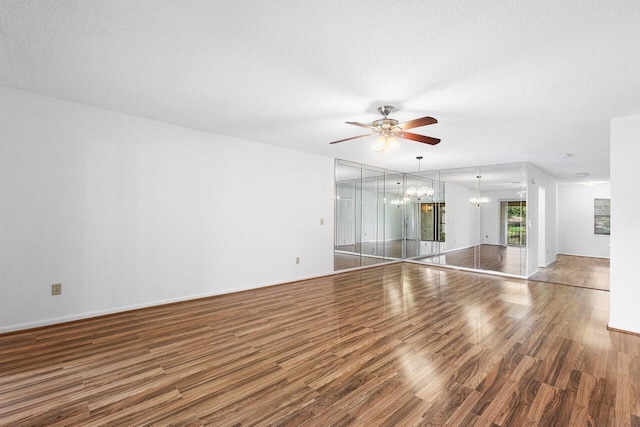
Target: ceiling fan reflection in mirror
[(389, 129)]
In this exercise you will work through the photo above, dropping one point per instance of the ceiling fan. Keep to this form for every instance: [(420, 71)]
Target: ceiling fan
[(389, 129)]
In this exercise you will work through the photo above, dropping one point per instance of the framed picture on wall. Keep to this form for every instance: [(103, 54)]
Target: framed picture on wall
[(602, 216)]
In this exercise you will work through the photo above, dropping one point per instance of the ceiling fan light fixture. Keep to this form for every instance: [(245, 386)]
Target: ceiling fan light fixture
[(384, 144)]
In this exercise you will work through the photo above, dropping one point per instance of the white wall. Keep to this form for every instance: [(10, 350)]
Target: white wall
[(625, 227), (128, 212), (392, 220), (537, 178), (575, 220), (369, 223), (460, 217)]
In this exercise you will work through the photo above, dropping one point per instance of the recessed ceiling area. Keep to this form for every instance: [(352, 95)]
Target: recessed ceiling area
[(507, 81)]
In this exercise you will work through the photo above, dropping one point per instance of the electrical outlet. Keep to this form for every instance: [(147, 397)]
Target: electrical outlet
[(56, 289), (321, 221), (297, 260)]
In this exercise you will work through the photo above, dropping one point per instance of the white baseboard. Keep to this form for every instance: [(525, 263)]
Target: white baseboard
[(457, 249), (547, 264), (585, 256), (114, 310), (625, 329)]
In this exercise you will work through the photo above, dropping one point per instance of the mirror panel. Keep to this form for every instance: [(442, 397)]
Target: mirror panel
[(372, 242), (425, 215), (503, 222), (394, 232), (348, 198), (472, 218), (367, 229)]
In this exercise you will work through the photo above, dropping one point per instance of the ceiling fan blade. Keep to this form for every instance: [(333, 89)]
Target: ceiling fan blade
[(361, 125), (353, 137), (419, 138), (416, 123)]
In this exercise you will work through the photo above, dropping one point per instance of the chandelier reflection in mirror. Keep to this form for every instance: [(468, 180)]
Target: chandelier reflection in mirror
[(420, 192), (478, 200), (399, 200)]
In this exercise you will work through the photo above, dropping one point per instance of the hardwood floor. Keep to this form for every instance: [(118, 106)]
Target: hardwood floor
[(343, 261), (388, 248), (580, 271), (592, 273), (400, 344), (505, 259)]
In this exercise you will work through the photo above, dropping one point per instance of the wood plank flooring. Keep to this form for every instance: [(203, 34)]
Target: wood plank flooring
[(387, 248), (343, 261), (580, 271), (505, 259), (399, 344)]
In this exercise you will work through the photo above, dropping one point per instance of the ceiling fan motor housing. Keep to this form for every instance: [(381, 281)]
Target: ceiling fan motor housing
[(385, 110), (385, 123), (385, 126)]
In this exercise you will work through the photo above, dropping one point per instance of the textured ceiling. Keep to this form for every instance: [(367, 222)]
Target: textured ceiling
[(508, 80)]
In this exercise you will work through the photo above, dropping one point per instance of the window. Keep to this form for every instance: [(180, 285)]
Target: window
[(602, 216)]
